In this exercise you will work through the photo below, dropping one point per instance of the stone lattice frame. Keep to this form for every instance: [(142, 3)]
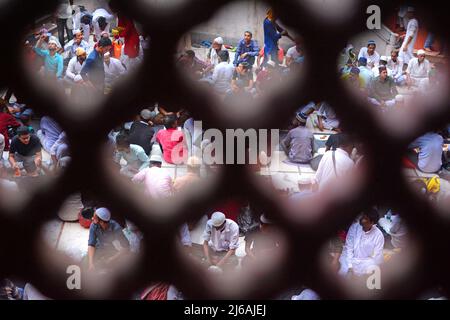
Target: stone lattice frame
[(157, 80)]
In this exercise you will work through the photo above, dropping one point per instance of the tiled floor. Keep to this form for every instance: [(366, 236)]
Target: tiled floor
[(71, 238)]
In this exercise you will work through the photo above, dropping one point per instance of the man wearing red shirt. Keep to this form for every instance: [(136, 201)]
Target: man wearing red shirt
[(172, 141)]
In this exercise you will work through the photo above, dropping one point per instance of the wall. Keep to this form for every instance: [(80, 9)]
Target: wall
[(232, 21)]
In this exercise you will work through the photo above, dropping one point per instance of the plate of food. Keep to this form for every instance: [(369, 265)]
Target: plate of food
[(322, 138)]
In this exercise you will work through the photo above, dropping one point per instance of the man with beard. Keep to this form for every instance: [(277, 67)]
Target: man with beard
[(74, 68), (77, 42), (53, 61)]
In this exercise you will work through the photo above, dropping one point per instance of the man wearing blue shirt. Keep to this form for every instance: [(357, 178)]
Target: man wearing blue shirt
[(53, 61), (93, 71), (429, 158), (247, 50), (103, 235), (272, 33)]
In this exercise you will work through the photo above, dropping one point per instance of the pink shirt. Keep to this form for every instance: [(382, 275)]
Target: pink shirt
[(174, 150), (158, 183)]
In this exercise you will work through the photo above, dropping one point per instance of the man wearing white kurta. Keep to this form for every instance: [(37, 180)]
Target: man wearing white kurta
[(373, 57), (74, 68), (363, 247), (113, 69), (407, 48), (223, 74), (220, 240), (395, 65), (330, 169), (376, 71), (326, 117), (96, 15), (418, 70), (78, 24)]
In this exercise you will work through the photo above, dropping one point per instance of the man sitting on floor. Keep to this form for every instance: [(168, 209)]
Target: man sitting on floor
[(158, 182), (104, 233), (383, 90), (326, 117), (220, 240), (133, 154), (363, 247), (172, 141), (261, 240), (417, 73), (74, 68), (25, 148), (429, 157), (141, 133), (335, 164), (298, 144), (48, 133)]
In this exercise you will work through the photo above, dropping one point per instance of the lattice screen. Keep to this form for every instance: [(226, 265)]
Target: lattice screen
[(157, 80)]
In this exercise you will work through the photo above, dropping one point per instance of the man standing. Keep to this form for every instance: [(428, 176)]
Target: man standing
[(247, 50), (272, 33), (298, 144), (93, 71), (383, 90), (64, 20), (412, 30), (103, 233), (82, 20), (25, 148), (220, 240), (101, 22)]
